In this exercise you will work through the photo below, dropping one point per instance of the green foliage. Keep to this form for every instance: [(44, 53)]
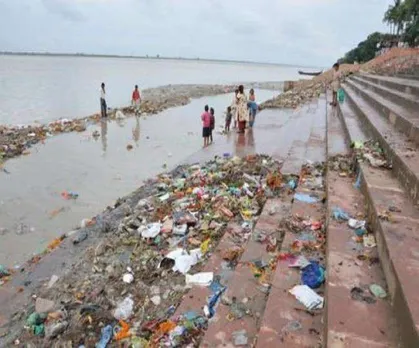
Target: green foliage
[(366, 49), (403, 19)]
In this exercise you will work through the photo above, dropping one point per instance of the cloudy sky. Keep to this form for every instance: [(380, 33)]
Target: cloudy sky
[(306, 32)]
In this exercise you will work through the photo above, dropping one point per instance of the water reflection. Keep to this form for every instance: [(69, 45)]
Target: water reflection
[(104, 134), (136, 130)]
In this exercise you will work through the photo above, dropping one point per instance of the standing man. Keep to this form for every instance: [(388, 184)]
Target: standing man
[(103, 107), (136, 97)]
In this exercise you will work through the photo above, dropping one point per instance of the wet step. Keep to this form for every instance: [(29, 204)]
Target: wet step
[(410, 86), (410, 101), (286, 322), (395, 220), (400, 152)]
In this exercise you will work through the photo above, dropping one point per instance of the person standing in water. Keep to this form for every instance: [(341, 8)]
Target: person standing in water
[(136, 97), (212, 126), (229, 116), (253, 107), (206, 125), (103, 106), (335, 83), (242, 113), (234, 108)]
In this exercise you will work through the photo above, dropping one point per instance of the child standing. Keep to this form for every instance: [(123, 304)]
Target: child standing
[(212, 123), (229, 116), (206, 125)]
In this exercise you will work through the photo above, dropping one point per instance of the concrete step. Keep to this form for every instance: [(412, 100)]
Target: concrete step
[(407, 76), (399, 150), (409, 101), (403, 119), (345, 271), (397, 244), (282, 309), (242, 285), (400, 84)]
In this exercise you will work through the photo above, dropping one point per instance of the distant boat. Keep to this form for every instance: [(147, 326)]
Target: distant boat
[(310, 73)]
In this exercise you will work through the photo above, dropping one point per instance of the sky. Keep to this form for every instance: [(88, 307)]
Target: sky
[(300, 32)]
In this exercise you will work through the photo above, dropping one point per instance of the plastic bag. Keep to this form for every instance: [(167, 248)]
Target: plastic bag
[(124, 309), (341, 95)]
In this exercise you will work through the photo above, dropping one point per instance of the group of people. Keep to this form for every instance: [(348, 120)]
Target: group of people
[(135, 99), (242, 110)]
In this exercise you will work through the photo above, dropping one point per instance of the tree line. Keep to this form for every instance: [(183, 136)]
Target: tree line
[(403, 20)]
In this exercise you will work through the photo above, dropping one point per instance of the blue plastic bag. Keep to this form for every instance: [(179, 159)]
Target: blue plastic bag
[(313, 275)]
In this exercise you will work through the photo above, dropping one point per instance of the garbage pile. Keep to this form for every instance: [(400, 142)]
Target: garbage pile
[(16, 140), (126, 289), (296, 96), (370, 152)]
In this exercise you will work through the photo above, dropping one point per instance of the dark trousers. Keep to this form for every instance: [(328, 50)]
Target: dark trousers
[(103, 107)]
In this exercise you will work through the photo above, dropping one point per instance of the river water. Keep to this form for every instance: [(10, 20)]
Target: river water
[(40, 88), (32, 211)]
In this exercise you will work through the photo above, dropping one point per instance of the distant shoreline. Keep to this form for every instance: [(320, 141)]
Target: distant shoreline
[(88, 55)]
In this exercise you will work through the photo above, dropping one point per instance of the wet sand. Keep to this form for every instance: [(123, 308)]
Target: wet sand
[(31, 207)]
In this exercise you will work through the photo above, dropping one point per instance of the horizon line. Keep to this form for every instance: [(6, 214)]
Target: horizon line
[(57, 54)]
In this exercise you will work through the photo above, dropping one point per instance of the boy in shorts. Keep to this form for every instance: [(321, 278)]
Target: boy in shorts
[(229, 116), (206, 125)]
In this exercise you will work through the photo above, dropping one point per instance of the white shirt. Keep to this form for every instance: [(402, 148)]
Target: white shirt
[(102, 93)]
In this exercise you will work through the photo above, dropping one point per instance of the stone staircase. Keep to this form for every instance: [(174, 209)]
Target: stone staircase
[(385, 109)]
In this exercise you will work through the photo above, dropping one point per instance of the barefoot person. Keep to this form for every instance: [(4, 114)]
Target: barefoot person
[(229, 116), (253, 107), (206, 125), (242, 113), (136, 97), (335, 83), (212, 126), (103, 106)]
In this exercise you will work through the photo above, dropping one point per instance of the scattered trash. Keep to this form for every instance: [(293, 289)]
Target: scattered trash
[(55, 329), (129, 147), (4, 272), (305, 198), (369, 241), (292, 184), (358, 294), (299, 262), (81, 236), (124, 309), (202, 279), (356, 224), (312, 275), (340, 215), (292, 326), (150, 231), (52, 281), (107, 333), (69, 195), (128, 278), (378, 291), (122, 332), (307, 297), (43, 305), (240, 338)]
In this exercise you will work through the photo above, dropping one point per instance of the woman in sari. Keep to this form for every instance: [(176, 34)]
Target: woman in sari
[(242, 113)]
